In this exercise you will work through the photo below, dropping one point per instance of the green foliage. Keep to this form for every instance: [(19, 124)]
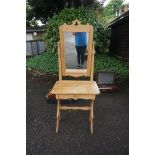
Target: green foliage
[(43, 9), (67, 16), (109, 11), (30, 20), (107, 63), (48, 63), (102, 40)]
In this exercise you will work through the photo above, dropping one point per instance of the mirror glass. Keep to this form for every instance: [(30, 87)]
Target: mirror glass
[(76, 48)]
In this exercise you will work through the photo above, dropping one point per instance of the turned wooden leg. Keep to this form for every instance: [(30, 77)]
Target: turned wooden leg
[(91, 115), (59, 109), (58, 115)]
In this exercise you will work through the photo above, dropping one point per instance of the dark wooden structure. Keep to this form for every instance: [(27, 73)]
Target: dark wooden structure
[(119, 40), (106, 81)]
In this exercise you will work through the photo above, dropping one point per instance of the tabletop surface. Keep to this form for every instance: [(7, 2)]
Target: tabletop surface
[(75, 87)]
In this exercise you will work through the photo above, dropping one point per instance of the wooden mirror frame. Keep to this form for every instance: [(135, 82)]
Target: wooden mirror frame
[(76, 26)]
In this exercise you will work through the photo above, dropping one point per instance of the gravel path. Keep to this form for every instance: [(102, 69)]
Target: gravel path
[(111, 123)]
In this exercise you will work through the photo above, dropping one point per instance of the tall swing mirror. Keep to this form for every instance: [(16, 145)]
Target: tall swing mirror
[(76, 48)]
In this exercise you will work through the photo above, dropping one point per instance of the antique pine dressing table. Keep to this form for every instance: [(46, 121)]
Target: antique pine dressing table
[(75, 89)]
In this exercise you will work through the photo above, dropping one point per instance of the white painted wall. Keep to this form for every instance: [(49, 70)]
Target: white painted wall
[(29, 36)]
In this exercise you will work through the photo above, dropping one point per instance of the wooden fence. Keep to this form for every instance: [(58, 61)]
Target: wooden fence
[(34, 47)]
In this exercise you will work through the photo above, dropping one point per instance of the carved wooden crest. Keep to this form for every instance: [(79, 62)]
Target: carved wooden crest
[(76, 26)]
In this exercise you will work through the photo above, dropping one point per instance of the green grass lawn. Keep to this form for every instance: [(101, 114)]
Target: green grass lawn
[(45, 63), (48, 63)]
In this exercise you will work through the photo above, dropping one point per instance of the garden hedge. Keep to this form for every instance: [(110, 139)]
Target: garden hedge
[(48, 61), (69, 15)]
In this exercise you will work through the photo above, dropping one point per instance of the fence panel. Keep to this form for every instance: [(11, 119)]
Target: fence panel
[(28, 49), (34, 47), (41, 47)]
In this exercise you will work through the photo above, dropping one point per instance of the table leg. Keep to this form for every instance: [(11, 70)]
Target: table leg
[(91, 118), (58, 115), (59, 109)]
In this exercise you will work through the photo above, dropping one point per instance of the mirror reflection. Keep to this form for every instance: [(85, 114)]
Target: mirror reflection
[(76, 48)]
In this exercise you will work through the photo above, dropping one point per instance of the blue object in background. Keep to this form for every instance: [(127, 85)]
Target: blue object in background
[(80, 39)]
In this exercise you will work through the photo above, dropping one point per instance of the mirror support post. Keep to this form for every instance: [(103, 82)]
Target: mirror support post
[(59, 62), (92, 63)]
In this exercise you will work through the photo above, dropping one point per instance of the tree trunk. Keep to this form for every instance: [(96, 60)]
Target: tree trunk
[(81, 3)]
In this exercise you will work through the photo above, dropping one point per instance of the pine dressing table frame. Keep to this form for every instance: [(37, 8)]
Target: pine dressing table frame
[(75, 89)]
